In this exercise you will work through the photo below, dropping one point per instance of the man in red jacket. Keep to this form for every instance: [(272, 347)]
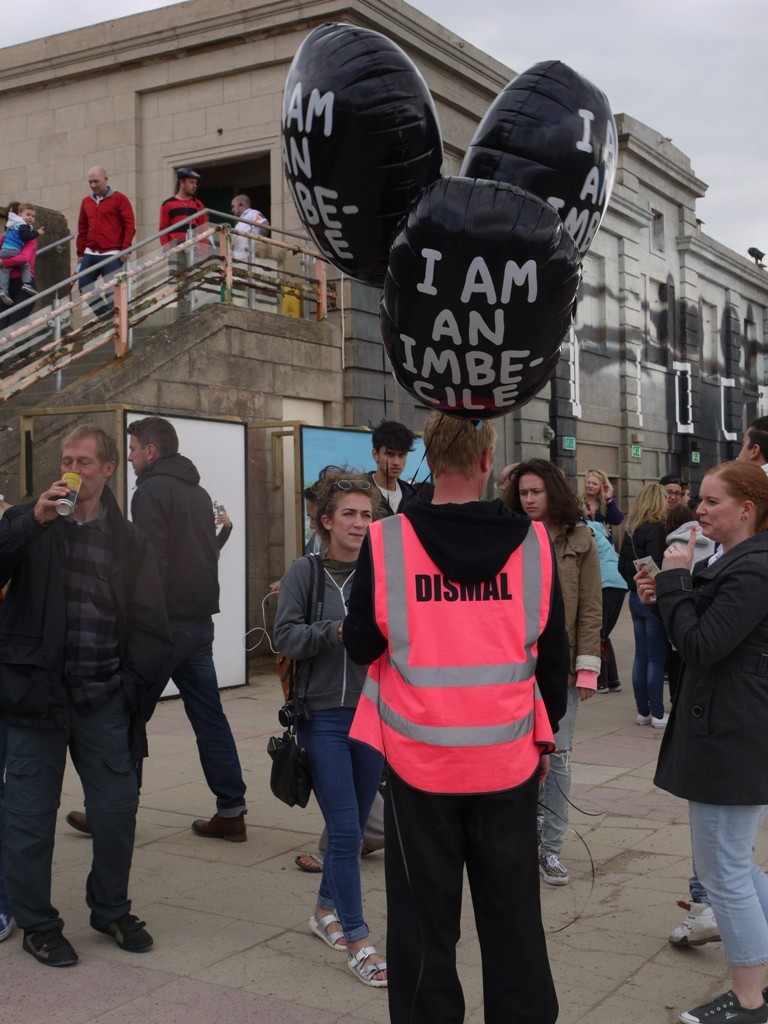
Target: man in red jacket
[(105, 227)]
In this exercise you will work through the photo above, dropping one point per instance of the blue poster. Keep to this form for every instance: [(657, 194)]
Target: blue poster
[(331, 446), (336, 446)]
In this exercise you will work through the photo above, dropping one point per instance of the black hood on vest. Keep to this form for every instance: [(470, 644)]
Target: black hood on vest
[(468, 542)]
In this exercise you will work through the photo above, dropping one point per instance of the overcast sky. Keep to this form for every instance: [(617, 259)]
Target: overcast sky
[(694, 70)]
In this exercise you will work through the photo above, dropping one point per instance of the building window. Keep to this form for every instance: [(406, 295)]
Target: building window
[(590, 308), (659, 322), (711, 360), (657, 231), (748, 357)]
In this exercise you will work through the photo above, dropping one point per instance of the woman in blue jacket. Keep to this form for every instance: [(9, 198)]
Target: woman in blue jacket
[(614, 588)]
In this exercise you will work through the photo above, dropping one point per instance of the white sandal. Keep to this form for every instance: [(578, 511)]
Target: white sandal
[(322, 930), (367, 973)]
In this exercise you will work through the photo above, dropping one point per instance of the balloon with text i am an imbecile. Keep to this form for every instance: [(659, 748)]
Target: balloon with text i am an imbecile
[(551, 131), (479, 296), (360, 139)]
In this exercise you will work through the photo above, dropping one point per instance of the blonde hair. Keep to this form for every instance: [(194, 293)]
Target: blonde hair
[(602, 507), (26, 206), (650, 506), (455, 445)]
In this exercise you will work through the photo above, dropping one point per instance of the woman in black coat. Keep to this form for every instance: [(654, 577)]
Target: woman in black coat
[(713, 752)]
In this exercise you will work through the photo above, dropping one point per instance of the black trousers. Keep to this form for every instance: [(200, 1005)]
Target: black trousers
[(430, 839), (613, 602)]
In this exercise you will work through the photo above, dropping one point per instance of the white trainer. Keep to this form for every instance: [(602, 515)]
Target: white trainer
[(552, 870), (697, 927)]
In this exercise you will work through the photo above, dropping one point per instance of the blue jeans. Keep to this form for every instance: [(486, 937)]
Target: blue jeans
[(3, 746), (345, 777), (195, 675), (107, 270), (553, 795), (723, 840), (650, 656), (696, 889), (36, 758)]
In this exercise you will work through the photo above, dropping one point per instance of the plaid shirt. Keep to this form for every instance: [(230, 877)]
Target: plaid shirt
[(91, 659)]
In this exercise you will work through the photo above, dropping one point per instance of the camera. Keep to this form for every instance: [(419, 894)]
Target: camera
[(289, 714)]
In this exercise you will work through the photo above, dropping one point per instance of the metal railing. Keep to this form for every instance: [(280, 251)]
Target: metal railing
[(155, 286)]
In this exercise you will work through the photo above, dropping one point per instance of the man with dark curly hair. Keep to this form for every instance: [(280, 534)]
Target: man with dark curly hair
[(391, 443)]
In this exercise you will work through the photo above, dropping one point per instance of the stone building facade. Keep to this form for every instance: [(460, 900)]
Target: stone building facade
[(667, 363)]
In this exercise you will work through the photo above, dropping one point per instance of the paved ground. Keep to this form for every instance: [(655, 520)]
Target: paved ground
[(230, 919)]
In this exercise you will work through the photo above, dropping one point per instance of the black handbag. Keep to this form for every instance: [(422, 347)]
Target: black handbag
[(289, 779)]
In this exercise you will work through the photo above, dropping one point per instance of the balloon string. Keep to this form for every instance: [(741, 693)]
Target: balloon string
[(384, 379)]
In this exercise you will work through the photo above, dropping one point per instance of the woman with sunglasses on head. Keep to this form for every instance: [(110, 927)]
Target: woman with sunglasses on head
[(712, 753), (538, 489), (345, 774)]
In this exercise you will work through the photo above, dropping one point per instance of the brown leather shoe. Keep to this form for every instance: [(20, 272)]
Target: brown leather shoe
[(232, 829), (78, 821)]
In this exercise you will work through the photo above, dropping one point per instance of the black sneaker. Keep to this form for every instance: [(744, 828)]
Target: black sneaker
[(50, 948), (614, 687), (725, 1009), (128, 932)]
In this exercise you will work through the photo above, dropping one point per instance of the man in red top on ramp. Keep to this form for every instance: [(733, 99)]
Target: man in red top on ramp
[(457, 607), (180, 206), (105, 227)]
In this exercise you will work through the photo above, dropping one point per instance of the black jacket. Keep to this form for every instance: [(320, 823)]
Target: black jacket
[(647, 539), (32, 616), (712, 750), (469, 543), (176, 514), (407, 495)]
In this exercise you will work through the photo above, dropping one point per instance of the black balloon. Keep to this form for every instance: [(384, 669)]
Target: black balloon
[(552, 132), (360, 140), (479, 296)]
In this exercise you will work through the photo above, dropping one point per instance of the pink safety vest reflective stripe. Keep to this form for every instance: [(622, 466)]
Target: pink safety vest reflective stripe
[(453, 703)]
